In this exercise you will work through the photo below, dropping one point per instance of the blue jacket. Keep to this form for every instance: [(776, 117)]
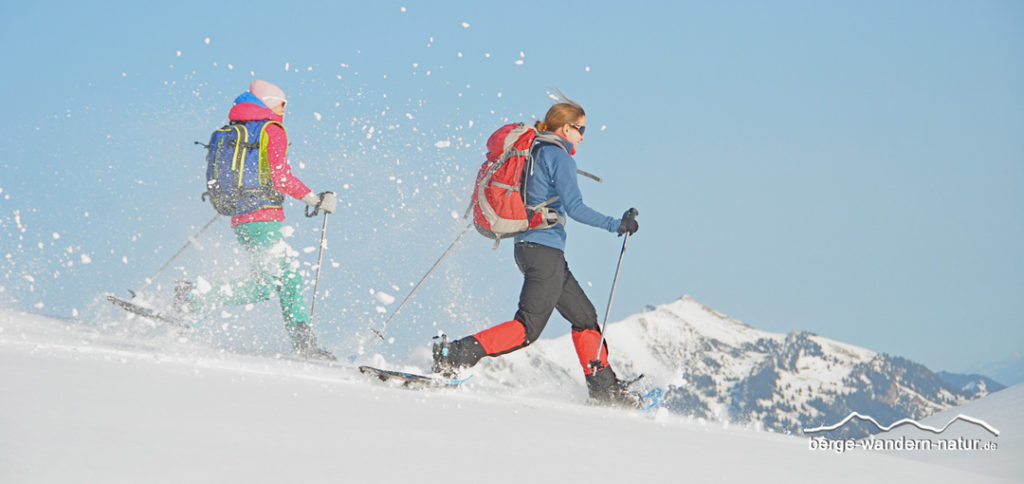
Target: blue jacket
[(554, 173)]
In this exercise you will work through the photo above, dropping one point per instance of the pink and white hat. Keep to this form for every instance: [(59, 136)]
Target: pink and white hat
[(270, 94)]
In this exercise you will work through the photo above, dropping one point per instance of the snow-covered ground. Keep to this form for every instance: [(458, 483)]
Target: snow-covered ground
[(82, 404)]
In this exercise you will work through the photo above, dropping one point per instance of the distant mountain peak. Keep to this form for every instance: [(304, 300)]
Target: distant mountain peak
[(717, 368)]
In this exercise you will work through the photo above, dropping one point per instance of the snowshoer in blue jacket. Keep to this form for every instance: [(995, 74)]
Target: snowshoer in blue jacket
[(548, 283)]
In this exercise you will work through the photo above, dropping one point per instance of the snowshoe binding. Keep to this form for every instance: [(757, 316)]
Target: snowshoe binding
[(442, 354), (607, 390)]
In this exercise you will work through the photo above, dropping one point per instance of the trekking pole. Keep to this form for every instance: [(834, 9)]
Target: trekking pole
[(319, 265), (150, 279), (380, 332), (611, 297)]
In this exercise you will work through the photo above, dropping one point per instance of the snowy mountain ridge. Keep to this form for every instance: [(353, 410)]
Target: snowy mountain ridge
[(719, 369)]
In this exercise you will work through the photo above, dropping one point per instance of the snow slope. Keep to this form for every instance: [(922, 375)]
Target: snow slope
[(79, 404), (1001, 410)]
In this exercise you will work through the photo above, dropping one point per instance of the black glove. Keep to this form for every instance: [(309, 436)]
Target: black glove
[(628, 224)]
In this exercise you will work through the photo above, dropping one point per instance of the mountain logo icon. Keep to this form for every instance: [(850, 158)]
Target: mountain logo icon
[(900, 423)]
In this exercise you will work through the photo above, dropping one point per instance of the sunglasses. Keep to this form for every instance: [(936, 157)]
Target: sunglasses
[(579, 128)]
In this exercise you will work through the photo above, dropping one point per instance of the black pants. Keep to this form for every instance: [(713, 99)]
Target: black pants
[(548, 284)]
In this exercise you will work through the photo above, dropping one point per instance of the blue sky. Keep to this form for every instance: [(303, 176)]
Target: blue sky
[(850, 169)]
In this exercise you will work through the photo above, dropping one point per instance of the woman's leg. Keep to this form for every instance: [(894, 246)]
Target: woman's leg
[(543, 271)]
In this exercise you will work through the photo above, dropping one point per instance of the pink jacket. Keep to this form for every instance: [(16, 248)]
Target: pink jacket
[(280, 170)]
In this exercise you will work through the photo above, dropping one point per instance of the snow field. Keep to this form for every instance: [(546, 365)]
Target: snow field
[(83, 406)]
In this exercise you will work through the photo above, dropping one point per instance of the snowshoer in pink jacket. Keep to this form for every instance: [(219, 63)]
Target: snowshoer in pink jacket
[(275, 266)]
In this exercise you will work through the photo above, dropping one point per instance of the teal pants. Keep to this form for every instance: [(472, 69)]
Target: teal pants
[(275, 269)]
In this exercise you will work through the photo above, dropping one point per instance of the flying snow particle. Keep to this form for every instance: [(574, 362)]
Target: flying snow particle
[(587, 68), (287, 66), (443, 144), (519, 62), (179, 53), (86, 259), (382, 309), (465, 25), (403, 9), (317, 116), (202, 285), (207, 41), (385, 298), (455, 215), (56, 236), (287, 231)]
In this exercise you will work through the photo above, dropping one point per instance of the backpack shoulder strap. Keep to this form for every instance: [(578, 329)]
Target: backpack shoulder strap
[(556, 140), (553, 139)]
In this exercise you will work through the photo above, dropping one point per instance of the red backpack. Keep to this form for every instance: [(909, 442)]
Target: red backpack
[(498, 208)]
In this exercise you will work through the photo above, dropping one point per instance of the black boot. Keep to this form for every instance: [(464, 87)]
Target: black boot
[(184, 304), (442, 353), (305, 343), (449, 356), (606, 389)]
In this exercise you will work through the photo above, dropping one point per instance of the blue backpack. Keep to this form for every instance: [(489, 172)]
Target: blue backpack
[(238, 177)]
